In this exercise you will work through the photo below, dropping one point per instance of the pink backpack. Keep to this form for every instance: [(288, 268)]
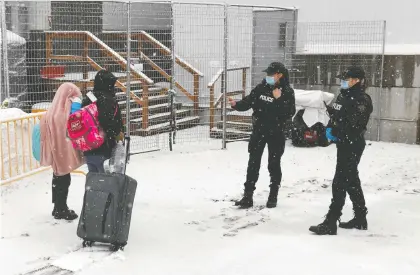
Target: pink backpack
[(83, 129)]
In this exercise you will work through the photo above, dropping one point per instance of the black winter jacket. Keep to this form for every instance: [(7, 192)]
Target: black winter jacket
[(269, 113), (350, 114), (109, 115)]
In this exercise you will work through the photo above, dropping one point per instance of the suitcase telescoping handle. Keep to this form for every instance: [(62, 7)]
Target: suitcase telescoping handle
[(127, 152)]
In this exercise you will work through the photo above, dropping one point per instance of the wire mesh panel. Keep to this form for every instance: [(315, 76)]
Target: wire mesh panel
[(256, 37), (60, 43), (324, 50), (3, 50), (53, 42), (150, 32), (201, 54), (199, 46), (314, 53)]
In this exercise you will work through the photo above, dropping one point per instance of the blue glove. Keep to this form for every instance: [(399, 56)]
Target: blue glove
[(328, 134)]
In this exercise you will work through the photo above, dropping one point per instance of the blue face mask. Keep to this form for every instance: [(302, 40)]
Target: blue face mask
[(270, 80), (344, 84)]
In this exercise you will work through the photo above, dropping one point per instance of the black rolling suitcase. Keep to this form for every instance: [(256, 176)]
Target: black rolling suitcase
[(107, 207)]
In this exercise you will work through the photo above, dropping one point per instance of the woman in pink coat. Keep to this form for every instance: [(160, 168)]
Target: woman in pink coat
[(57, 151)]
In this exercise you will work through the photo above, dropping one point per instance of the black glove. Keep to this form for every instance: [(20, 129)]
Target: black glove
[(330, 109)]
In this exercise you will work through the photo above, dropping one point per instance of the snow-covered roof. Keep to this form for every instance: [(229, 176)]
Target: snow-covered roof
[(402, 49), (363, 49)]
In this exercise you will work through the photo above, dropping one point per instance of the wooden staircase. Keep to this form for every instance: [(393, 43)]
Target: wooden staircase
[(159, 113), (150, 112)]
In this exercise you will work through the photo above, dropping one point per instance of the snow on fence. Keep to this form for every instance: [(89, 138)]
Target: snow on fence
[(16, 145)]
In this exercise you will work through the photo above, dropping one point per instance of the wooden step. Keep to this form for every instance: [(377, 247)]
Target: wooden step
[(162, 117), (239, 118), (240, 92), (231, 134), (132, 54), (153, 100), (158, 108), (240, 126), (182, 123), (134, 84), (232, 94), (138, 92)]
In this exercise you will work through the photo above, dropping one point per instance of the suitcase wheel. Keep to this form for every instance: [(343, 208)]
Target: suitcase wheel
[(87, 243), (116, 247)]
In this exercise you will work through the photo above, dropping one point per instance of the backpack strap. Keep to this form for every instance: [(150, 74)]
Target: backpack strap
[(116, 110)]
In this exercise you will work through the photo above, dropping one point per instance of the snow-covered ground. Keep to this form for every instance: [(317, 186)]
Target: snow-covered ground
[(184, 223)]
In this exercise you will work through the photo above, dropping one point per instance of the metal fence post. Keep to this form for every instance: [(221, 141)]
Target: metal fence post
[(128, 97), (1, 53), (171, 92), (4, 48), (381, 83), (225, 73)]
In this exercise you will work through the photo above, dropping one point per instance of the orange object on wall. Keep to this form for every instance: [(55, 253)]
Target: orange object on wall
[(52, 71)]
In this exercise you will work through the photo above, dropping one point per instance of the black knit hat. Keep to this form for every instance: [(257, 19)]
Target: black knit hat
[(104, 81)]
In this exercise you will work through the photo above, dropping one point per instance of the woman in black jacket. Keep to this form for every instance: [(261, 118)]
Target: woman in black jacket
[(350, 115), (110, 120), (273, 103)]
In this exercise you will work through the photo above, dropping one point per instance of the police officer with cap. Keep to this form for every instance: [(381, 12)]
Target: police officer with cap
[(349, 116), (273, 103)]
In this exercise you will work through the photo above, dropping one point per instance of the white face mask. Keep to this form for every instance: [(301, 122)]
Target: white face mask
[(270, 80), (76, 99)]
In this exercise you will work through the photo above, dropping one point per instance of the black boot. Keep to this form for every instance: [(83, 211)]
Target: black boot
[(64, 213), (358, 222), (54, 211), (246, 201), (60, 191), (327, 227), (272, 197)]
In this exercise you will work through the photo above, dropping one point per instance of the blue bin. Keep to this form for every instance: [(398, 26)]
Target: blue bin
[(36, 142)]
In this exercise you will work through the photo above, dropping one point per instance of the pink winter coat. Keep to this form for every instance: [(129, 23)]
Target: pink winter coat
[(56, 150)]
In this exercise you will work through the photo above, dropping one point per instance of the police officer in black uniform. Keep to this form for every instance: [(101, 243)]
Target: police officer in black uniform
[(273, 103), (349, 116)]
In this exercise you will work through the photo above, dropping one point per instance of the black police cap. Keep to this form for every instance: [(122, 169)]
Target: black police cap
[(352, 72), (276, 67)]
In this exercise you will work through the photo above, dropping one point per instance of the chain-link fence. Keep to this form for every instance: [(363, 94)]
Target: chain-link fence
[(176, 63)]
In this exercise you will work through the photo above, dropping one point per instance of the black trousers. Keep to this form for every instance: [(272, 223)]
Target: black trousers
[(276, 143), (346, 179), (60, 190)]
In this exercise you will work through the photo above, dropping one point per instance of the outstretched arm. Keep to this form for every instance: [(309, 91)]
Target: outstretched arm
[(246, 103)]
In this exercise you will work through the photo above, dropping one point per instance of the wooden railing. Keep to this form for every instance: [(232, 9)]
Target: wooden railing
[(211, 86), (88, 38), (143, 37)]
